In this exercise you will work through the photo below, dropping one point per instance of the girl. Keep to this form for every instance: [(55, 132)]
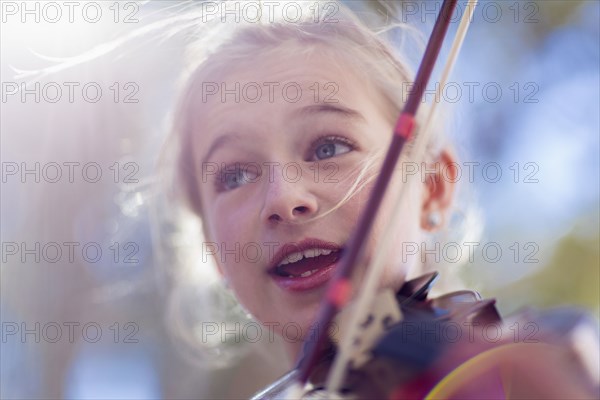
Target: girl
[(281, 133)]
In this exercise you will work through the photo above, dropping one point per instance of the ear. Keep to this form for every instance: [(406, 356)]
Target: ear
[(439, 187)]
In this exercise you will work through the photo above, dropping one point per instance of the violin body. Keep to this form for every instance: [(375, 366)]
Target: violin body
[(458, 346)]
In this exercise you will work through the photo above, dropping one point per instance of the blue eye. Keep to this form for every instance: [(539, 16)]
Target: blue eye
[(333, 146), (232, 178)]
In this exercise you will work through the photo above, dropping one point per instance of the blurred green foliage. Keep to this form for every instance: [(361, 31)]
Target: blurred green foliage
[(572, 277)]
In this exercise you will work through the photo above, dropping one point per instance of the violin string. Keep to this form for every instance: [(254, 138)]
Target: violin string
[(368, 290)]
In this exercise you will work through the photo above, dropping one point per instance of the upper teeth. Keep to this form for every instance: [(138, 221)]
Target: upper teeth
[(297, 256)]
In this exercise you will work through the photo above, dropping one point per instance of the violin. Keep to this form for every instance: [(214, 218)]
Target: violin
[(457, 346)]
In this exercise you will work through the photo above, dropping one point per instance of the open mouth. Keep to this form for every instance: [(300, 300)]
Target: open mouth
[(306, 269), (306, 263)]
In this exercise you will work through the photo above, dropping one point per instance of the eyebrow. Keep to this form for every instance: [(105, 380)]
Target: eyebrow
[(302, 112), (330, 108), (220, 142)]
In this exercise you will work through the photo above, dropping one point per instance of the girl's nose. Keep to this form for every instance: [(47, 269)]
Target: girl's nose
[(288, 201)]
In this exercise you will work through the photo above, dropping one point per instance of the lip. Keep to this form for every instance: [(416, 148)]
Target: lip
[(315, 280)]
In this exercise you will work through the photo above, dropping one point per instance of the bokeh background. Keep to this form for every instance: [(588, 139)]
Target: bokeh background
[(542, 132)]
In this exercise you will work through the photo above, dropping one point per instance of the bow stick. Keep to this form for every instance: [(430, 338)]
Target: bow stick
[(373, 274), (339, 290)]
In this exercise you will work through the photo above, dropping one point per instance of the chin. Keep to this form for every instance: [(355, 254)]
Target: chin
[(295, 325)]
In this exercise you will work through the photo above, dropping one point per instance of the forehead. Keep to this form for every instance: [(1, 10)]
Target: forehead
[(266, 92), (289, 63)]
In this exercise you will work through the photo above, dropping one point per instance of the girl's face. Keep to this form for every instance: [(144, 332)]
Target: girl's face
[(273, 159)]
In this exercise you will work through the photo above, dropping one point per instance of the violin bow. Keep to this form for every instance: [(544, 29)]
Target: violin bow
[(368, 289), (340, 288)]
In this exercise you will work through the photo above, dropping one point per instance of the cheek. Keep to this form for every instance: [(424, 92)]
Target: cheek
[(404, 234), (408, 231), (227, 217), (229, 234)]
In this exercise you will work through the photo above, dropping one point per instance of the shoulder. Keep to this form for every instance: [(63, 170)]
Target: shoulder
[(534, 353)]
